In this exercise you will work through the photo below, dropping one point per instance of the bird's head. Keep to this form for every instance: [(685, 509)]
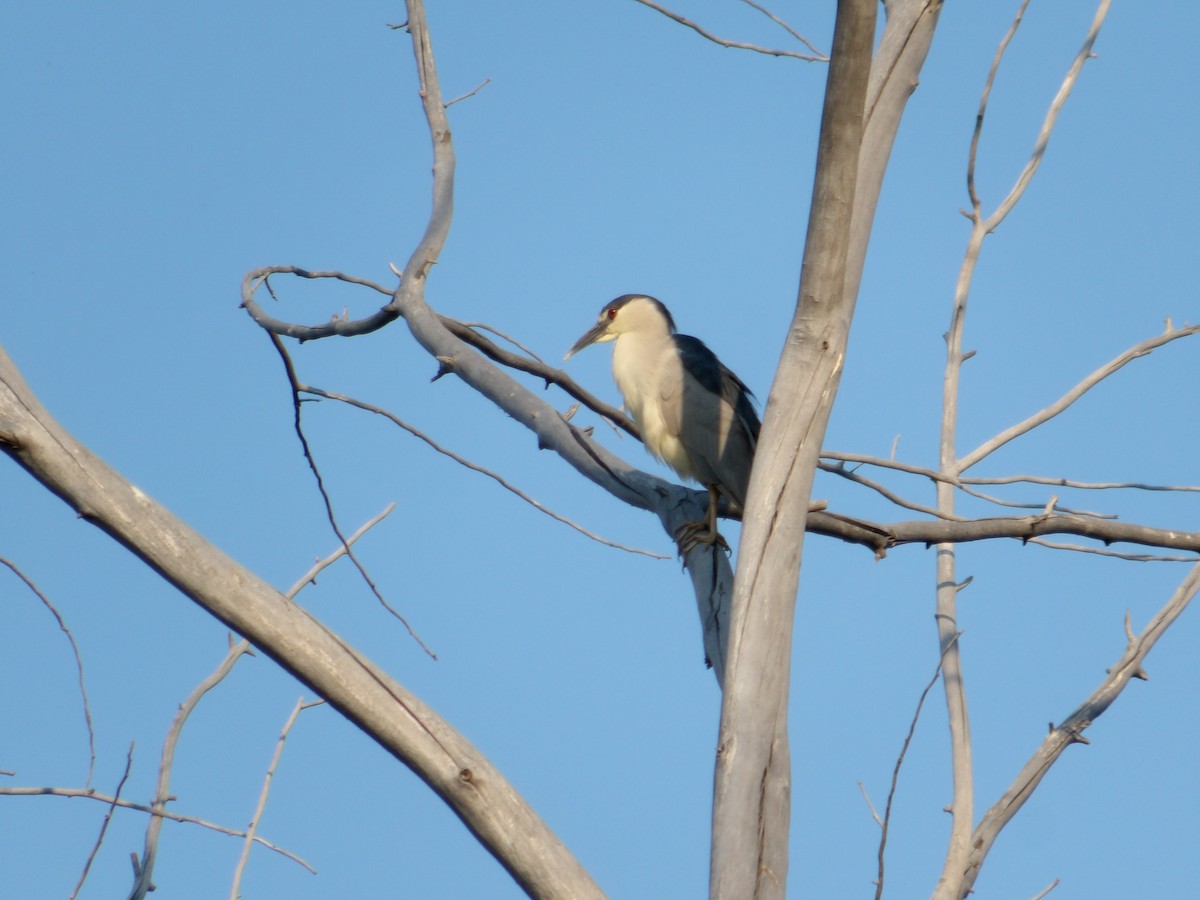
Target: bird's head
[(631, 313)]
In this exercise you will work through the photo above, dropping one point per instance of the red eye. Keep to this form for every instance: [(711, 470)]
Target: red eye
[(612, 313)]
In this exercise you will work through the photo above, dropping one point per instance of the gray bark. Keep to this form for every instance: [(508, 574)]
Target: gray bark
[(863, 105), (392, 716)]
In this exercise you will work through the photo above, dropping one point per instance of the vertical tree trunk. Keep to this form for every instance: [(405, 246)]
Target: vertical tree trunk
[(863, 105)]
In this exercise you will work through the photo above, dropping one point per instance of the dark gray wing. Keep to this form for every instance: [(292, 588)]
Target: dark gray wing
[(712, 412)]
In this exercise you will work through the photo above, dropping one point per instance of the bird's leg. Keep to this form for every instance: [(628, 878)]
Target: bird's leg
[(703, 531)]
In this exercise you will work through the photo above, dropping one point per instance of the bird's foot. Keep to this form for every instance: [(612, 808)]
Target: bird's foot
[(691, 535)]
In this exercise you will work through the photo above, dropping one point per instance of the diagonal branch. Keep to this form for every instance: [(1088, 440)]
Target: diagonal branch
[(252, 828), (788, 28), (310, 577), (112, 807), (1137, 351), (294, 386), (373, 701), (1048, 123), (953, 686), (91, 794), (162, 793), (885, 822), (466, 463), (62, 625), (1070, 731), (737, 45), (983, 104)]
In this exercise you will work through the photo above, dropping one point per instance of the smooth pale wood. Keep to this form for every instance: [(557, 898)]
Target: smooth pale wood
[(753, 782), (392, 716), (864, 102)]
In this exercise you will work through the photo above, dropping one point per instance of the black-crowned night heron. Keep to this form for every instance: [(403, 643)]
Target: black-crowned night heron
[(694, 414)]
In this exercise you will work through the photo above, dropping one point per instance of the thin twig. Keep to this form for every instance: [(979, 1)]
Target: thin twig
[(1127, 667), (788, 28), (1013, 504), (983, 103), (737, 45), (90, 794), (471, 93), (87, 710), (252, 828), (1048, 123), (415, 432), (1137, 351), (912, 728), (1083, 485), (1115, 554), (104, 826), (162, 792), (841, 470), (294, 386), (310, 577), (503, 336), (871, 806)]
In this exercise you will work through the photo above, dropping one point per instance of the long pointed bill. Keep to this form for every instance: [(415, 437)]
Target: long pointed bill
[(592, 335)]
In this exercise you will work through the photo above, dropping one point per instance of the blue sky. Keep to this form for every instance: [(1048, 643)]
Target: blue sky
[(154, 155)]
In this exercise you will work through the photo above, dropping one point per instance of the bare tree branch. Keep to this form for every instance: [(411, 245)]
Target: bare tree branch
[(960, 844), (310, 577), (62, 625), (983, 104), (1012, 504), (912, 728), (752, 802), (1070, 731), (1056, 105), (1137, 351), (737, 45), (935, 476), (376, 703), (340, 327), (788, 28), (87, 866), (1083, 485), (466, 463), (252, 828), (144, 883), (464, 331), (294, 385), (91, 794), (1115, 554), (841, 471), (362, 692), (471, 93)]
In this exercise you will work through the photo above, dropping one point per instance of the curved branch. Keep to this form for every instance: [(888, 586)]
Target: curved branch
[(62, 625), (1071, 730), (1056, 105), (1026, 527), (1137, 351), (466, 463), (362, 692), (92, 794), (737, 45), (335, 327), (788, 28), (464, 331)]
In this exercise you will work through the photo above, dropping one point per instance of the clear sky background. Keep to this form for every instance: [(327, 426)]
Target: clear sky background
[(152, 154)]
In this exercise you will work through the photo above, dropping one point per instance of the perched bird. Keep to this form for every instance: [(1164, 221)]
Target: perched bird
[(694, 414)]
